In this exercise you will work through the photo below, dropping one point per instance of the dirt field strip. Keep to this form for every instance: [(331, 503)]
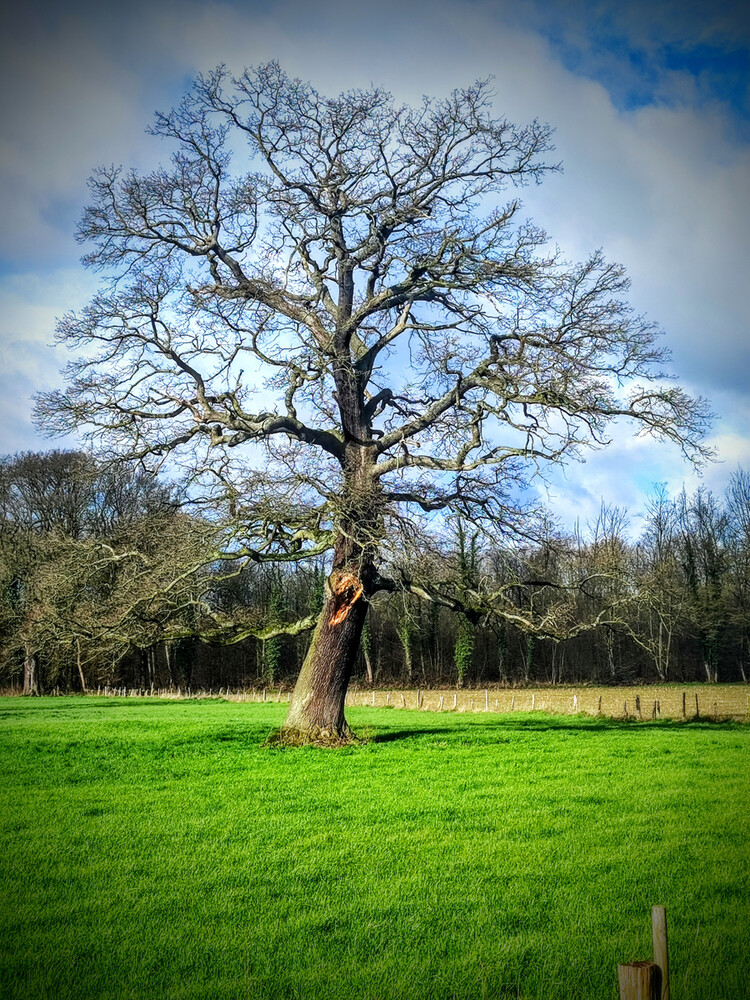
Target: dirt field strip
[(668, 701)]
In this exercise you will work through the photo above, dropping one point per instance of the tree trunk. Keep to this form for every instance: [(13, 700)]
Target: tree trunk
[(30, 679), (316, 709), (80, 667), (405, 637), (368, 666)]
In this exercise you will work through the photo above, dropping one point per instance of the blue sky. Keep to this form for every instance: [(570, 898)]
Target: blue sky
[(651, 105), (651, 53)]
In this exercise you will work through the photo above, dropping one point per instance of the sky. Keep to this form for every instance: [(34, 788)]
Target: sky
[(650, 102)]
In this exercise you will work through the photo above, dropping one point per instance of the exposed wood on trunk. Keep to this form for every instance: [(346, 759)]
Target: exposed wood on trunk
[(346, 592)]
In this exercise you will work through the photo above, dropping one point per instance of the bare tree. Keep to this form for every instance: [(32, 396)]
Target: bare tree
[(363, 315), (53, 506), (702, 527), (659, 605), (75, 494), (738, 540)]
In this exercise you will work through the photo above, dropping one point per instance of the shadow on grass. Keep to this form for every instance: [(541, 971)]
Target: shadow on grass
[(77, 702), (473, 726), (405, 734)]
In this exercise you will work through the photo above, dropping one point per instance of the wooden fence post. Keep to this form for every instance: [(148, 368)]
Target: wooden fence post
[(639, 981), (697, 710), (661, 947)]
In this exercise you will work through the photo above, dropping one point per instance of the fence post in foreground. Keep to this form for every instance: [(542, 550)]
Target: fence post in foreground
[(661, 948), (639, 981)]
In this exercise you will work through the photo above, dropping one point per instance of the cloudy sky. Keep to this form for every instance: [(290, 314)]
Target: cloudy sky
[(651, 106)]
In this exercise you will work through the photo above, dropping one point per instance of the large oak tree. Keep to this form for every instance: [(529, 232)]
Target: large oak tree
[(355, 329)]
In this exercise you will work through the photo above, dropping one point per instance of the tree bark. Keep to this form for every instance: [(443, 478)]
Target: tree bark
[(316, 710)]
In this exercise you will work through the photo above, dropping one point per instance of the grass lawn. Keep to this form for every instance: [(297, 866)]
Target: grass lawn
[(156, 849)]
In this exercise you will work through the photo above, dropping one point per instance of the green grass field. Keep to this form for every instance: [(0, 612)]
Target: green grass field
[(157, 849)]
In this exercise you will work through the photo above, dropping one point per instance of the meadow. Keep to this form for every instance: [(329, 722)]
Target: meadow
[(156, 848)]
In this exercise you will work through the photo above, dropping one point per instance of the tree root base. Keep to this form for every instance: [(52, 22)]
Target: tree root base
[(313, 737)]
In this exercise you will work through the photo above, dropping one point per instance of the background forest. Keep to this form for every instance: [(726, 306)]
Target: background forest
[(107, 580)]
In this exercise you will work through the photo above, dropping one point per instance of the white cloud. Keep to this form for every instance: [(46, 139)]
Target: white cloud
[(29, 363)]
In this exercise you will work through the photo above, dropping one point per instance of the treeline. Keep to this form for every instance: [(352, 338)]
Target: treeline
[(105, 579)]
